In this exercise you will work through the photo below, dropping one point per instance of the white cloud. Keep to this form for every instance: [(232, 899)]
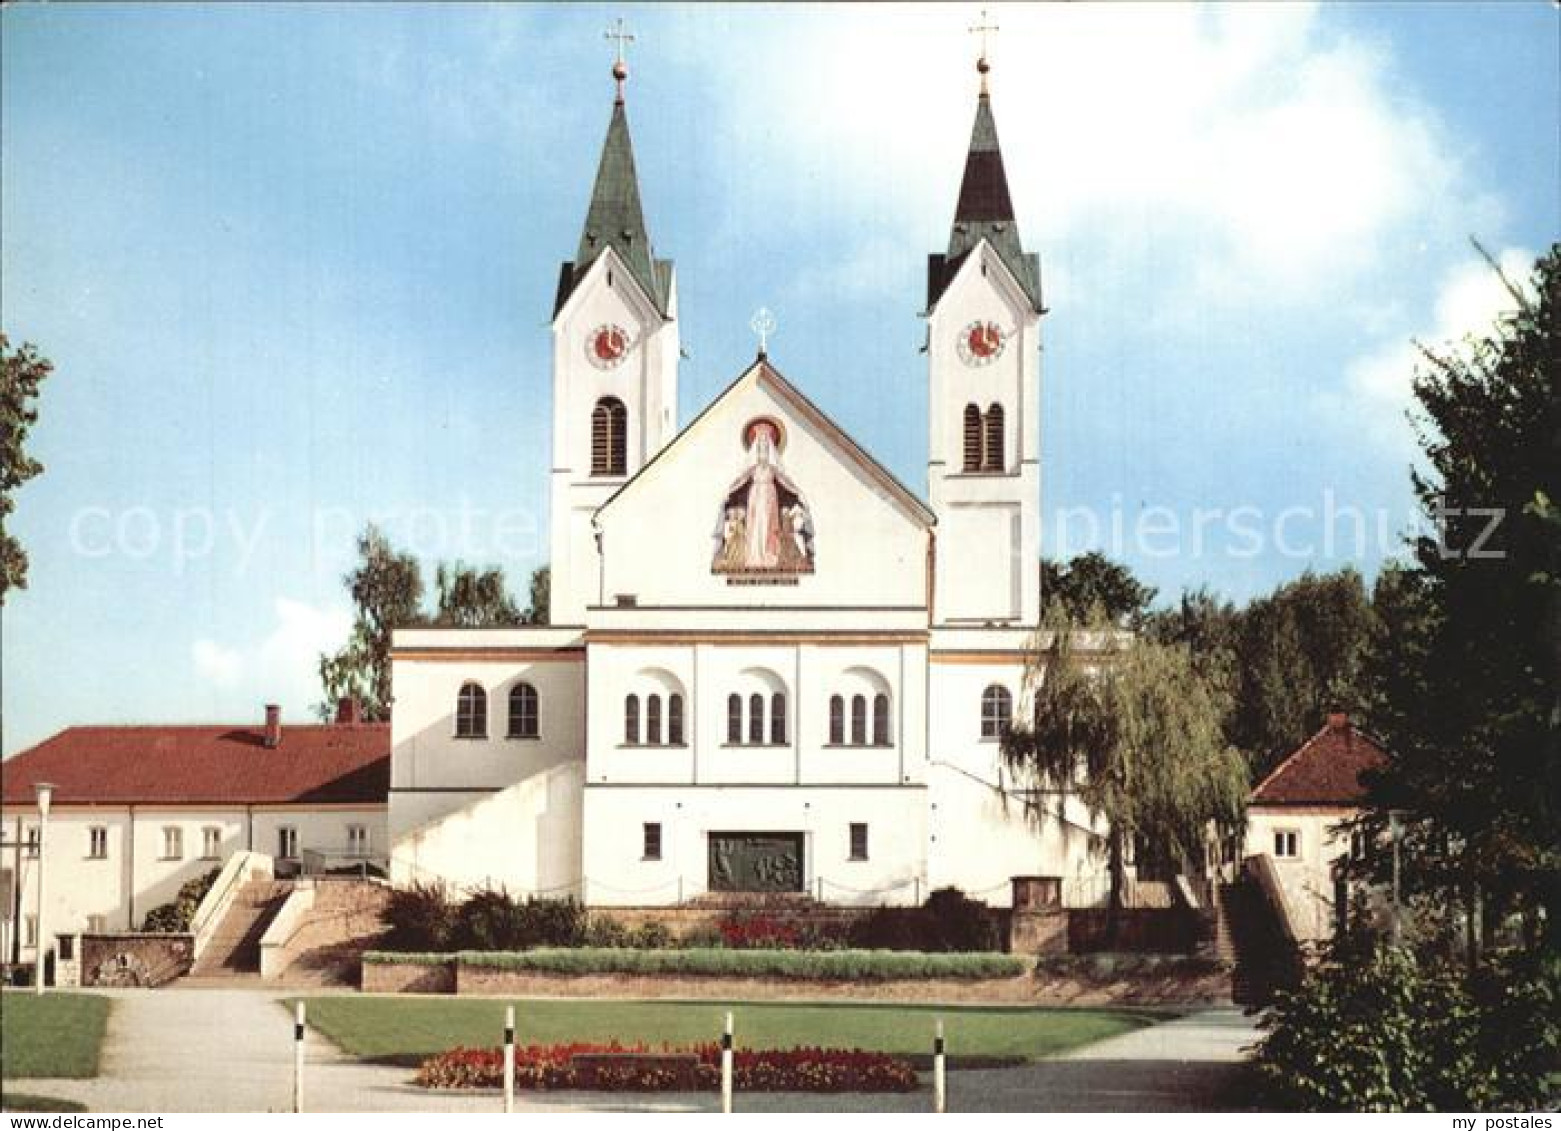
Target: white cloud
[(1470, 299), (1262, 146), (218, 666), (284, 666)]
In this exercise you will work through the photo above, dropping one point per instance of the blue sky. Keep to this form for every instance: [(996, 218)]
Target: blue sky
[(294, 265)]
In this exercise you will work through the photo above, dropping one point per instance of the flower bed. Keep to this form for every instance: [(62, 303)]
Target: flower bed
[(639, 1068), (835, 965)]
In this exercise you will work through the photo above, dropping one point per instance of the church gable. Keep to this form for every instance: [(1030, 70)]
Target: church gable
[(762, 500)]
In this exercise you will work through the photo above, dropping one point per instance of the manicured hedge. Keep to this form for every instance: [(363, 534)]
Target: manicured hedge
[(405, 958), (844, 965)]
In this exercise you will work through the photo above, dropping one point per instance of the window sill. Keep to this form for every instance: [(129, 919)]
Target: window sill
[(209, 858), (522, 738), (469, 737), (856, 860), (170, 860), (755, 746), (858, 746), (652, 746), (650, 860)]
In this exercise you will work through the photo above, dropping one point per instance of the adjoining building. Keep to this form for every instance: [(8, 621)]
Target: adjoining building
[(137, 811)]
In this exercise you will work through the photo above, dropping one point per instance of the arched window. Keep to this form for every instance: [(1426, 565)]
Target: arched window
[(631, 721), (471, 712), (778, 719), (653, 720), (609, 437), (997, 708), (523, 711), (992, 458), (674, 720), (756, 719), (858, 720), (837, 720), (880, 720), (734, 718), (972, 438)]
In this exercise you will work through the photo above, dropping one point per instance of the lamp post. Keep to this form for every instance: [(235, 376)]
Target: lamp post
[(45, 792)]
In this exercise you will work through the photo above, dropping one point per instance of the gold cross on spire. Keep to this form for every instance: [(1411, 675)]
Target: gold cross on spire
[(620, 69), (982, 29)]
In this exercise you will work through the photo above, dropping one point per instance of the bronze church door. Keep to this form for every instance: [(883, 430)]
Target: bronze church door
[(757, 862)]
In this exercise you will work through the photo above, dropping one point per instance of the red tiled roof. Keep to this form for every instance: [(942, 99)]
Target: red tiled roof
[(229, 765), (1325, 770)]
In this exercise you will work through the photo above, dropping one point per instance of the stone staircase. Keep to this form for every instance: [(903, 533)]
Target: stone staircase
[(1249, 934), (326, 943), (234, 948)]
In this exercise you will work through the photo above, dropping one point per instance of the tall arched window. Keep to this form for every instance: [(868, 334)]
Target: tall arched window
[(778, 719), (837, 720), (523, 711), (972, 438), (609, 437), (756, 719), (734, 718), (653, 720), (631, 721), (858, 720), (880, 720), (471, 712), (997, 708), (992, 456), (674, 719)]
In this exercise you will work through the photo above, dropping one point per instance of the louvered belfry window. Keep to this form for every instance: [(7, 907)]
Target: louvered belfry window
[(992, 455), (972, 438), (609, 437)]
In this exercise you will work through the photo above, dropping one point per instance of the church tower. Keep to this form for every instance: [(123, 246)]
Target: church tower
[(615, 363), (983, 348)]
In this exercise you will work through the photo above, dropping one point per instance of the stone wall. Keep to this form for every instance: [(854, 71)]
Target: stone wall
[(135, 959), (408, 978), (1139, 930)]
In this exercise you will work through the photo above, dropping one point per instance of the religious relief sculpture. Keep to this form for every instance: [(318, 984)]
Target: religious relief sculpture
[(764, 526)]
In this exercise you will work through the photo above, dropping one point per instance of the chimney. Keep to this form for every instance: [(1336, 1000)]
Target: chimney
[(347, 711), (1338, 720), (273, 726)]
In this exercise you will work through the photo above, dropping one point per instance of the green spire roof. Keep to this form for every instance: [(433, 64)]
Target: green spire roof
[(615, 219), (984, 212)]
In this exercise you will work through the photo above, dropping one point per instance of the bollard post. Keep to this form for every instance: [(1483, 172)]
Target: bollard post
[(726, 1067), (298, 1058), (939, 1075), (509, 1059)]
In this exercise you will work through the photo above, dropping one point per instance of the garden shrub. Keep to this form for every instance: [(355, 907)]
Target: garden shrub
[(837, 965), (948, 921), (554, 1067), (406, 958), (421, 917), (1374, 1028), (176, 917)]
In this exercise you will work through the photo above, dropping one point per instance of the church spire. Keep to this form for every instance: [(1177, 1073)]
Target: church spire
[(615, 217), (985, 210)]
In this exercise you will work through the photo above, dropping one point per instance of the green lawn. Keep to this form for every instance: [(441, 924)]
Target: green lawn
[(405, 1029), (21, 1101), (53, 1035)]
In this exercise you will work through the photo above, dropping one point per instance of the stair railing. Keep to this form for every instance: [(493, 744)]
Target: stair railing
[(239, 869)]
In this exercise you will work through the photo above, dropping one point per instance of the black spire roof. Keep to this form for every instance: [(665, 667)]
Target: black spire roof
[(615, 219), (985, 211)]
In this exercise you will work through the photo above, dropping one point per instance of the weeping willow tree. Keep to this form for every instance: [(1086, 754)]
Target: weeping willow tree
[(1133, 731)]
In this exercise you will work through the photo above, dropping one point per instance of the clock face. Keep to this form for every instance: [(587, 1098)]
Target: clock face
[(606, 345), (981, 343)]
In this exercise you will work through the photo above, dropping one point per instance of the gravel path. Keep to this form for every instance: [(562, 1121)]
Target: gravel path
[(210, 1050)]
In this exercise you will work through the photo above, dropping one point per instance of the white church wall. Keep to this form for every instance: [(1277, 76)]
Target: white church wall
[(525, 838), (659, 537), (618, 874)]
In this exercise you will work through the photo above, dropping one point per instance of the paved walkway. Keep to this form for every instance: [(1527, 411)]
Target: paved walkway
[(209, 1050)]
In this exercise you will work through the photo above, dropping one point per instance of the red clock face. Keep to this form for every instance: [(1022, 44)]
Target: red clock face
[(981, 342), (607, 346)]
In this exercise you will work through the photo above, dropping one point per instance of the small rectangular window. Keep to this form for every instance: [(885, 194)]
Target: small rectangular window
[(97, 842), (858, 841), (357, 840), (652, 840), (96, 924), (32, 837), (1287, 844), (30, 931), (173, 842), (65, 948), (211, 842), (287, 843)]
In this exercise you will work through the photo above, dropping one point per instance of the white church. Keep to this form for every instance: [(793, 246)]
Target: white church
[(771, 667)]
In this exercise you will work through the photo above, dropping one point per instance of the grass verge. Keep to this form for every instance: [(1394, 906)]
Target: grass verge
[(55, 1034), (406, 1030)]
